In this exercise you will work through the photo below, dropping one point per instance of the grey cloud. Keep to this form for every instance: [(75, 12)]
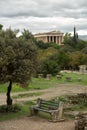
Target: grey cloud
[(42, 8), (43, 15)]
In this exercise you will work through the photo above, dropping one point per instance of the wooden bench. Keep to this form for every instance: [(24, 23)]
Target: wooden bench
[(55, 109)]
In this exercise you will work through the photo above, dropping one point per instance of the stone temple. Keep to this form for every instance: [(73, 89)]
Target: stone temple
[(53, 36)]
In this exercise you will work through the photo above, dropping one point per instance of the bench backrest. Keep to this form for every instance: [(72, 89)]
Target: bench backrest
[(48, 105)]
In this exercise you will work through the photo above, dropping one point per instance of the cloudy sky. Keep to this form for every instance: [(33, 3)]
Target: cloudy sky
[(44, 15)]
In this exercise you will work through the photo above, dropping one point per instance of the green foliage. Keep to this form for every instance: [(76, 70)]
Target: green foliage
[(81, 44), (77, 58), (28, 36), (66, 37), (66, 48), (75, 35), (62, 59), (74, 42), (70, 41), (49, 66), (18, 58), (63, 99), (1, 26), (43, 54), (42, 45), (53, 62), (79, 107), (56, 46), (14, 108), (84, 50)]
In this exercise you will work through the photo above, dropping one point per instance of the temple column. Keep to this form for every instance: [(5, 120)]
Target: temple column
[(49, 38), (46, 39), (59, 40), (56, 39), (52, 38)]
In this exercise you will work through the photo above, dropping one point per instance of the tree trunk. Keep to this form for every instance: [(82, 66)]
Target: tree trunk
[(9, 100)]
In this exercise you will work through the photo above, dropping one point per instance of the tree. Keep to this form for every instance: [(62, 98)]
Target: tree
[(84, 50), (62, 59), (18, 58), (67, 36), (49, 66), (42, 45), (71, 40), (28, 35), (75, 35), (54, 63), (81, 44), (77, 58), (1, 26)]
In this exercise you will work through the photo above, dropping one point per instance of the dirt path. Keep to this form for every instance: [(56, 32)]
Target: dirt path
[(62, 89), (37, 123)]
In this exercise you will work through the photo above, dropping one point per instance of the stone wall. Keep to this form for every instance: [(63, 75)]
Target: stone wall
[(78, 98), (81, 121)]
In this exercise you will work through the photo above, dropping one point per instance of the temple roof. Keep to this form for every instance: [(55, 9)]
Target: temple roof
[(49, 33)]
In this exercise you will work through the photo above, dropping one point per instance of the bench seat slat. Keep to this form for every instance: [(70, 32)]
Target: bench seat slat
[(49, 107), (44, 110), (46, 105), (49, 104)]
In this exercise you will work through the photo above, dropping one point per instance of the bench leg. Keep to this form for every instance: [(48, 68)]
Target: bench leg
[(54, 116), (57, 115), (33, 111)]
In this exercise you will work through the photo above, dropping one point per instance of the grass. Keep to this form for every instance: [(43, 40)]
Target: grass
[(43, 83), (79, 107), (75, 77), (28, 94), (15, 88), (37, 84), (22, 113), (13, 115)]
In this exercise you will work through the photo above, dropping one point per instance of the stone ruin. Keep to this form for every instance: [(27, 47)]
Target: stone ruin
[(81, 121), (59, 76), (83, 69), (48, 76), (81, 117), (40, 75), (78, 98)]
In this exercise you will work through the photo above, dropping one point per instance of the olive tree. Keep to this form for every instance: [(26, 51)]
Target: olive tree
[(18, 58)]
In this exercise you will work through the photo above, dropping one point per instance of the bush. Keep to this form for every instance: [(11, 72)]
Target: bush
[(14, 108)]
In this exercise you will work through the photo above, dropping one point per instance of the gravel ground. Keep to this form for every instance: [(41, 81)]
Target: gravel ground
[(35, 123)]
